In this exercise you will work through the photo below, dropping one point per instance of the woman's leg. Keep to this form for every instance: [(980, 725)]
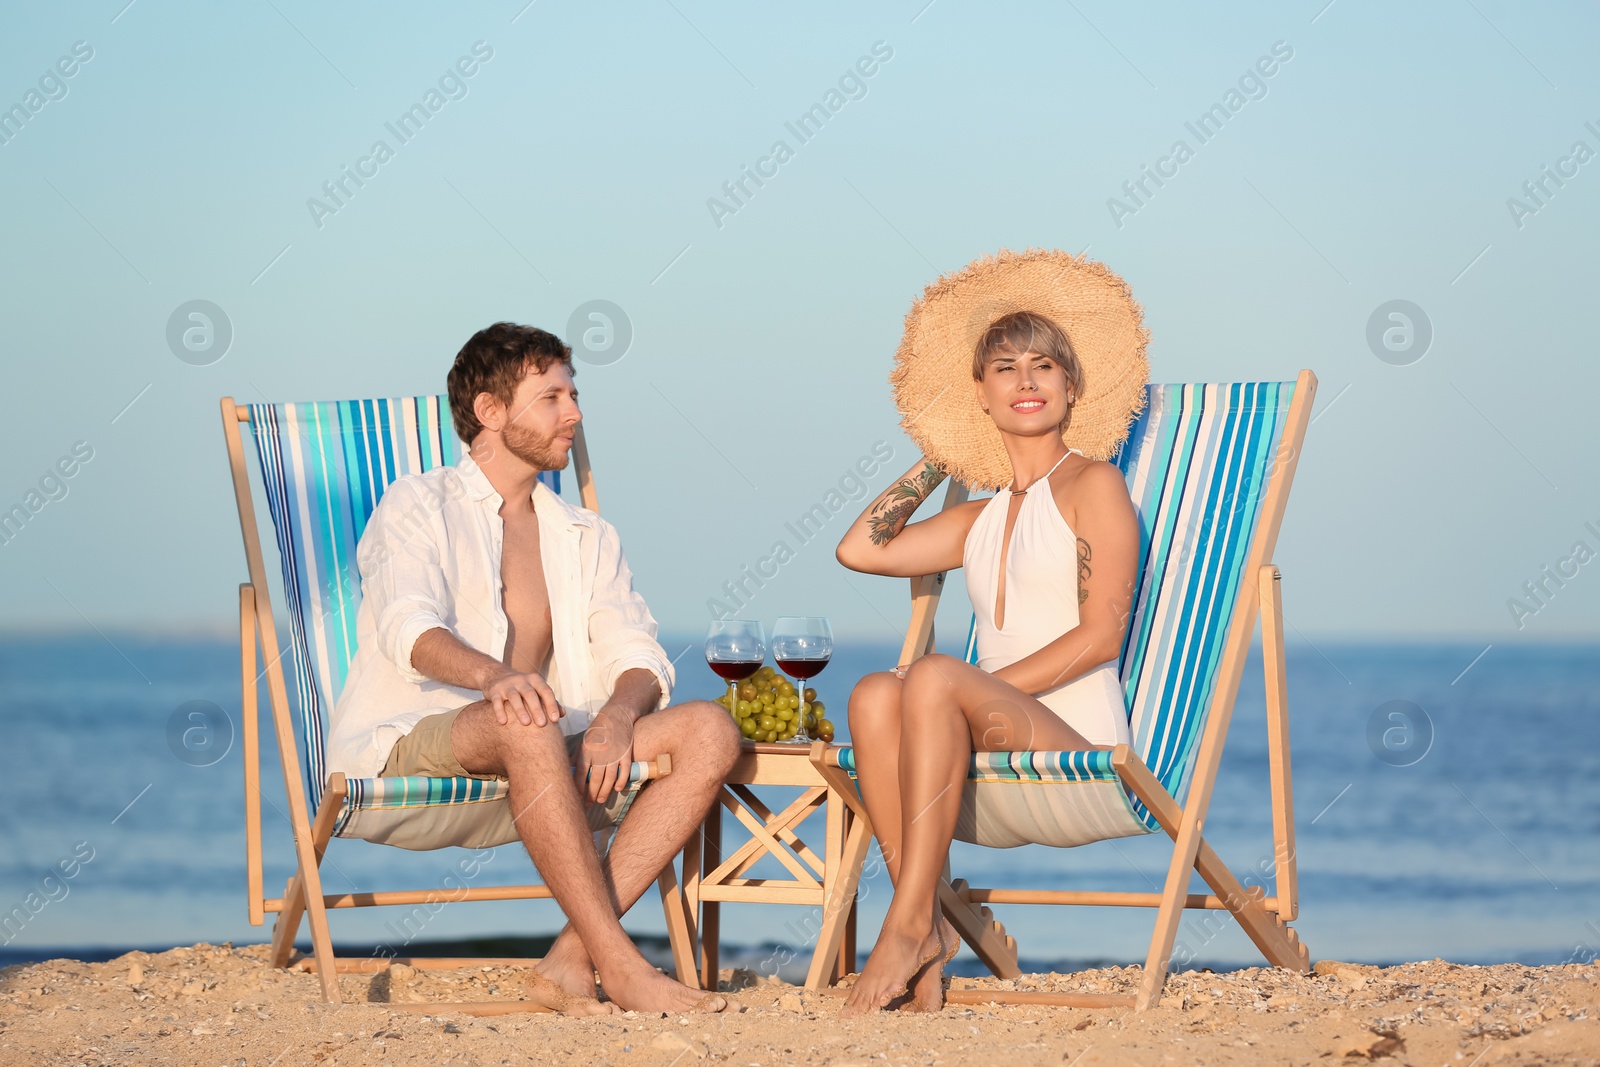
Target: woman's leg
[(875, 735), (947, 709)]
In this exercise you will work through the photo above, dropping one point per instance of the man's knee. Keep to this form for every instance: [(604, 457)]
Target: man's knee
[(512, 737), (724, 735), (714, 737)]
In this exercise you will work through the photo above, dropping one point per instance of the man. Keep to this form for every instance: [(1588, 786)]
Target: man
[(499, 635)]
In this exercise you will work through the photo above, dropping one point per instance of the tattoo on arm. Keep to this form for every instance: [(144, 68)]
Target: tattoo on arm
[(1083, 569), (901, 499)]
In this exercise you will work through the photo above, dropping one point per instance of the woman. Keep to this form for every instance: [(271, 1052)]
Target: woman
[(1050, 563)]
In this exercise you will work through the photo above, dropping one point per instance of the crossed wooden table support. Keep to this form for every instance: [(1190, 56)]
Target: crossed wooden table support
[(826, 882)]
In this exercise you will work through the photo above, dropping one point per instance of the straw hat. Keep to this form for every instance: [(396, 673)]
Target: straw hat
[(933, 366)]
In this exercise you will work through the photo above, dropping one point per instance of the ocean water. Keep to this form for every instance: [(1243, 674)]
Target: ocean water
[(1466, 828)]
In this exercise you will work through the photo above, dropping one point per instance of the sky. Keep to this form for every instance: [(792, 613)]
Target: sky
[(1422, 153)]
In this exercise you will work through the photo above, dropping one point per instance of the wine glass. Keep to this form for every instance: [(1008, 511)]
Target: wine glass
[(802, 646), (735, 649)]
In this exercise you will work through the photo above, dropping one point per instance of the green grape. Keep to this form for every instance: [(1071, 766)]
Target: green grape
[(786, 688), (818, 708), (825, 730), (767, 698), (746, 691), (783, 715), (747, 727), (764, 673), (767, 722), (811, 722), (744, 707)]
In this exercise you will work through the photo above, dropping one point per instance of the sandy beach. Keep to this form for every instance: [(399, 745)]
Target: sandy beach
[(210, 1005)]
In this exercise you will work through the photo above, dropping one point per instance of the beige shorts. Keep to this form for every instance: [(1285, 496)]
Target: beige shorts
[(428, 751)]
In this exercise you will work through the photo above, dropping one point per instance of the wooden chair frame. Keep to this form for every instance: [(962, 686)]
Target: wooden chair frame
[(1263, 918), (303, 896)]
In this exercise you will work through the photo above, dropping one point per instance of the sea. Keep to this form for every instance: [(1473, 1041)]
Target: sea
[(1447, 800)]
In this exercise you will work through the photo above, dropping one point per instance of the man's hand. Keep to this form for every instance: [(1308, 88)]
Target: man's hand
[(606, 755), (527, 696)]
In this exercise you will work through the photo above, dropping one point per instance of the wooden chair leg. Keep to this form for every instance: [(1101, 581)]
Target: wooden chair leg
[(976, 924), (250, 743), (287, 923), (295, 899), (1277, 941), (1277, 692), (679, 927), (1171, 911), (304, 893), (842, 885)]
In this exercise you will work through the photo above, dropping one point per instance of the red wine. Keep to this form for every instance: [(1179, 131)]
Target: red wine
[(734, 670), (801, 668)]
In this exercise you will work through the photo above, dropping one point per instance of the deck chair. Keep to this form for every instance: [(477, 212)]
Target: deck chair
[(1209, 468), (324, 467)]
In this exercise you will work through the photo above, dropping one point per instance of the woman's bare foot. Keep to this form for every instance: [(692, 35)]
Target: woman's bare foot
[(927, 989), (647, 989), (895, 962)]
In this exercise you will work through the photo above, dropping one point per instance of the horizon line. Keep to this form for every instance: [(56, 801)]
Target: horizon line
[(147, 634)]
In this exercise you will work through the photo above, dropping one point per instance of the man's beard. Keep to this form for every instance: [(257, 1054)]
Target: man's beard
[(539, 452)]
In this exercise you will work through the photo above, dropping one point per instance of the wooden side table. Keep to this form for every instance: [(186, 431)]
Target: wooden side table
[(827, 882)]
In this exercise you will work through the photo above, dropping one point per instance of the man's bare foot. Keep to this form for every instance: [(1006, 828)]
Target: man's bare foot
[(542, 989), (896, 960), (647, 989), (927, 989)]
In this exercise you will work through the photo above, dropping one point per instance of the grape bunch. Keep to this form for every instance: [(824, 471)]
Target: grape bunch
[(767, 707)]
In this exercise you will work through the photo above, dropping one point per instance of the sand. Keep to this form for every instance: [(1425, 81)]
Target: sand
[(220, 1005)]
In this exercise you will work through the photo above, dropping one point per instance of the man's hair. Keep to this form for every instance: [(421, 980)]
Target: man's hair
[(1027, 331), (494, 361)]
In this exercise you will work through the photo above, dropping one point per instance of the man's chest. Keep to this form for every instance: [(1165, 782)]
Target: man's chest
[(522, 566)]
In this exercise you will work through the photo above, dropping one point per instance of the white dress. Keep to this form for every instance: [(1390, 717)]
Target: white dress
[(1041, 605)]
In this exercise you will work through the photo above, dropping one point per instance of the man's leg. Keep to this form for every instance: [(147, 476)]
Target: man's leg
[(704, 744), (549, 816)]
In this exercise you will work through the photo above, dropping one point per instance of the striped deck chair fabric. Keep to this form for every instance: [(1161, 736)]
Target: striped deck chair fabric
[(325, 465), (1197, 463)]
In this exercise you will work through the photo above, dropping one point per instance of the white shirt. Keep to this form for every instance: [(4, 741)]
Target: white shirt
[(430, 557)]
